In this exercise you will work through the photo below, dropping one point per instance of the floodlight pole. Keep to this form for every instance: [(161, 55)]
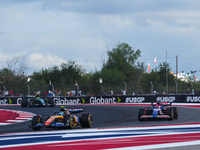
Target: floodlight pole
[(125, 87), (151, 87), (28, 89), (77, 89), (52, 87), (101, 82), (4, 88), (166, 75), (176, 87), (28, 79)]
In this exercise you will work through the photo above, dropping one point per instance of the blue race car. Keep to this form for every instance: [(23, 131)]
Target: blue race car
[(37, 102), (158, 111)]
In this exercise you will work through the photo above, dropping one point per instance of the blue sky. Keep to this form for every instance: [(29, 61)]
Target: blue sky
[(48, 32)]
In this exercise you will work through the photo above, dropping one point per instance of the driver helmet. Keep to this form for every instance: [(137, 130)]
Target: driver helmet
[(61, 113), (67, 111), (158, 103)]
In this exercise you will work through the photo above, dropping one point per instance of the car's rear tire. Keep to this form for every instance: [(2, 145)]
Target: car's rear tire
[(86, 120), (170, 113), (51, 102), (36, 120), (140, 113), (175, 111)]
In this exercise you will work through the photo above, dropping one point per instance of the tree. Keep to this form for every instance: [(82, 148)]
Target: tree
[(122, 57), (71, 71), (158, 78), (62, 77), (164, 68), (153, 77), (122, 66), (12, 76), (113, 79), (16, 66)]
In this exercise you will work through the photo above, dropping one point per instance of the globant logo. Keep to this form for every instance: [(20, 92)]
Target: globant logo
[(3, 102), (101, 100), (19, 100), (67, 101)]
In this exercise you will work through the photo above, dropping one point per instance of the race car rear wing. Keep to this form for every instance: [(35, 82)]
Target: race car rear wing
[(72, 111), (164, 104)]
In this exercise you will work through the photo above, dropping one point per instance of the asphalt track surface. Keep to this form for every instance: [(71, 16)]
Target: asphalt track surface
[(104, 116)]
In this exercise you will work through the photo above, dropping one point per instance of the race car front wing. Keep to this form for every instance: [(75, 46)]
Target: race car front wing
[(151, 116), (52, 125)]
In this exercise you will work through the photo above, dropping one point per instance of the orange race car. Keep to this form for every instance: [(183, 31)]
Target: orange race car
[(65, 118)]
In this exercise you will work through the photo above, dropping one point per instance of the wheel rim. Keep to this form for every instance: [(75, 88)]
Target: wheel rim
[(90, 120), (71, 122)]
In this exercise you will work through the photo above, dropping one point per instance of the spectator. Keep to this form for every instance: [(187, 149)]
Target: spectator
[(50, 93), (73, 93), (59, 93), (10, 93), (55, 92), (68, 93), (124, 92), (154, 92), (5, 93), (80, 93), (111, 92), (192, 91), (163, 92), (46, 93), (188, 91)]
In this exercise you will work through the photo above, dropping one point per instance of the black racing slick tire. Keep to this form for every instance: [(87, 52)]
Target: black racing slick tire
[(36, 120), (140, 113), (69, 121), (170, 113), (51, 102), (175, 111), (24, 103), (30, 104), (86, 120)]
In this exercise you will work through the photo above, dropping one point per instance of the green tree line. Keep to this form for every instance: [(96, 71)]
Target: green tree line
[(120, 72)]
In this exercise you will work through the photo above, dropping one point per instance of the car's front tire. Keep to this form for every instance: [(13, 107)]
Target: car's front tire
[(86, 120), (140, 113), (36, 120), (69, 120)]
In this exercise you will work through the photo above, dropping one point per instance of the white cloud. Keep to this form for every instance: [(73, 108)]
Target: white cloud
[(36, 61), (116, 21), (56, 31)]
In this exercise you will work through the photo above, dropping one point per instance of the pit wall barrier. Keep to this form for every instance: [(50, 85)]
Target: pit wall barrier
[(111, 99)]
